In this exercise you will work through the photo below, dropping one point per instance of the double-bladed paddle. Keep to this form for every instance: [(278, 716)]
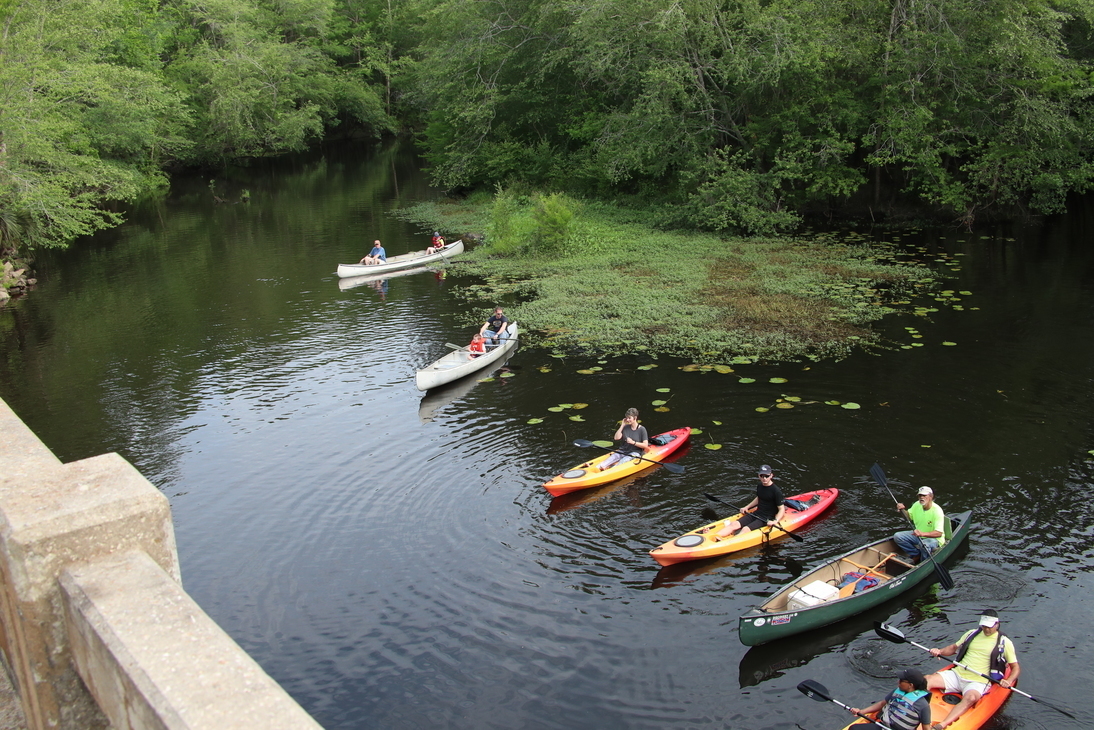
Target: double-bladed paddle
[(674, 468), (712, 498), (817, 691), (897, 637), (944, 578)]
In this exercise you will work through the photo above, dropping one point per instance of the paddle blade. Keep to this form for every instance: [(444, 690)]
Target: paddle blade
[(712, 498), (814, 691), (583, 443), (889, 633), (674, 468), (878, 475), (454, 347), (944, 578)]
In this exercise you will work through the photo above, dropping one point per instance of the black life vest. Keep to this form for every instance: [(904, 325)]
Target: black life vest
[(997, 666)]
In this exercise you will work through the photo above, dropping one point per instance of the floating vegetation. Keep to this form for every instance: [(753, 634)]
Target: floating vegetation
[(485, 380), (534, 421), (831, 403), (696, 431), (662, 409), (762, 409), (947, 343), (576, 417), (544, 369), (784, 405), (556, 409), (925, 446), (651, 366), (587, 371), (712, 447), (664, 390), (851, 406), (747, 380), (579, 406), (776, 380), (719, 423), (723, 369), (658, 402), (507, 374)]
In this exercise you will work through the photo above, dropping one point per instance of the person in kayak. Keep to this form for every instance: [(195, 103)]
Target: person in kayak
[(983, 650), (908, 707), (376, 256), (634, 440), (929, 532), (766, 508)]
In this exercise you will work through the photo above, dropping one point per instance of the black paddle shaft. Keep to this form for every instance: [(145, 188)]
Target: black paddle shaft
[(944, 578), (674, 468), (817, 691), (712, 498)]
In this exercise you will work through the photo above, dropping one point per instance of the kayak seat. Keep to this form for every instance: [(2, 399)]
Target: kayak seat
[(662, 439)]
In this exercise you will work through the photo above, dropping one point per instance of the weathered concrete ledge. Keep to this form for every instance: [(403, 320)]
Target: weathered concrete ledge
[(121, 644)]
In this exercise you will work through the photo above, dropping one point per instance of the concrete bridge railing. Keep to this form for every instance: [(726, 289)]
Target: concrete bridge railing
[(96, 630)]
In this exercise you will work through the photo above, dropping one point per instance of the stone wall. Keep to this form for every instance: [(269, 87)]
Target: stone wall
[(95, 627)]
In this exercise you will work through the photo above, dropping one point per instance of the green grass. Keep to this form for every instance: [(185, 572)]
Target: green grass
[(617, 285)]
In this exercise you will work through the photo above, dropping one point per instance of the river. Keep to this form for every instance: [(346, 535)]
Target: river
[(394, 562)]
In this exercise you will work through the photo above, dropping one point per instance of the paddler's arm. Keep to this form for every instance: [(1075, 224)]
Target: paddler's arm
[(779, 515)]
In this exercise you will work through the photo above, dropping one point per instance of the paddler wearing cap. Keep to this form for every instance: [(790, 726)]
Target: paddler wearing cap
[(929, 521), (908, 707), (766, 508), (983, 650)]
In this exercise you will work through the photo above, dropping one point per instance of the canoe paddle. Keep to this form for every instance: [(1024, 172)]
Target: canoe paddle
[(712, 498), (944, 578), (816, 691), (897, 637), (674, 468)]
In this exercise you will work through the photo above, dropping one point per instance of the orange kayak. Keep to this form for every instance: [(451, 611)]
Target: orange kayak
[(701, 543), (588, 474), (973, 718)]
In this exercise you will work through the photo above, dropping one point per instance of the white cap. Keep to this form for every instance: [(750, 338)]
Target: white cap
[(989, 620), (926, 490)]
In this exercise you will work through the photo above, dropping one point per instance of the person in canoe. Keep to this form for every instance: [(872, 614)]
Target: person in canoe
[(376, 256), (436, 244), (927, 517), (766, 508), (477, 347), (983, 650), (908, 707), (493, 331), (635, 440)]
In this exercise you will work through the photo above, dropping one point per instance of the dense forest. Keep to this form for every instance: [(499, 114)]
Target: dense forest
[(725, 116)]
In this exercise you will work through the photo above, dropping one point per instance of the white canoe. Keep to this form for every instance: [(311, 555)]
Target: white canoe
[(457, 364), (402, 261)]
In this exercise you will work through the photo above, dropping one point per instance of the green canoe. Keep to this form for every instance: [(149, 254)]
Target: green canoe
[(814, 598)]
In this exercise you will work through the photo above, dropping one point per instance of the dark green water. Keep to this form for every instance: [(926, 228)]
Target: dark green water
[(394, 561)]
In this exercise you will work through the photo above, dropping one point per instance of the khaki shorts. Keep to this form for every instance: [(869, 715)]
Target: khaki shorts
[(954, 683)]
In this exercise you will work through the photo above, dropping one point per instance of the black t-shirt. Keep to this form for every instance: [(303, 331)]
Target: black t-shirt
[(637, 435), (496, 322), (771, 497)]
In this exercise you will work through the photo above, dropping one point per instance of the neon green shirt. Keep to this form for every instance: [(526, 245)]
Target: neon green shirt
[(931, 520), (979, 655)]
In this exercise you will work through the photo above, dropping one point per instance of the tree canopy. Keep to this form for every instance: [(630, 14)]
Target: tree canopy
[(727, 116)]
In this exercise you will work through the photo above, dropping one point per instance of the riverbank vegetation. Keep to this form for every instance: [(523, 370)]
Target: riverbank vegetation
[(737, 118), (594, 278)]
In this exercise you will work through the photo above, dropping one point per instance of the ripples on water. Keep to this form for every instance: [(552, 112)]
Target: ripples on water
[(393, 560)]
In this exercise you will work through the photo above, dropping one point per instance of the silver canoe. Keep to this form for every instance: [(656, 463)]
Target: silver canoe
[(402, 261), (457, 363)]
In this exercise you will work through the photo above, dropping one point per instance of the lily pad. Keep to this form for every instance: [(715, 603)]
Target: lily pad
[(586, 371), (712, 447), (792, 398), (762, 409), (645, 367), (576, 418), (486, 380), (776, 380), (556, 409), (507, 375), (747, 380), (851, 406), (661, 409), (544, 369), (565, 405), (719, 423), (534, 421), (579, 406), (947, 343), (658, 402), (696, 431), (664, 390), (723, 369), (784, 405)]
